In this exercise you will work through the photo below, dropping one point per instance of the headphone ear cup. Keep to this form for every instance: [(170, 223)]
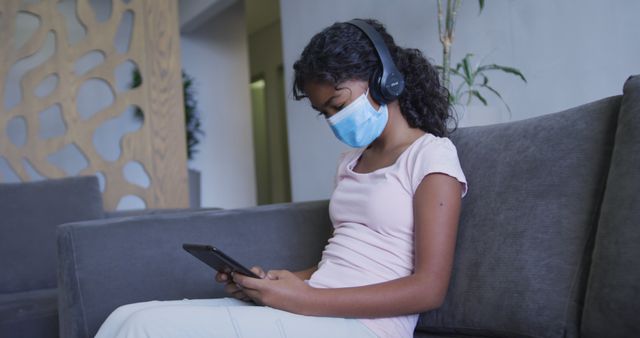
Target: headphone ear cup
[(375, 87)]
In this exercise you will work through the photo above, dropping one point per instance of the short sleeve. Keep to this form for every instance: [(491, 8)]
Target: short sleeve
[(437, 156)]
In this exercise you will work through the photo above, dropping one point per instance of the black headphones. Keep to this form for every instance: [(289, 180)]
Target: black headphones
[(386, 82)]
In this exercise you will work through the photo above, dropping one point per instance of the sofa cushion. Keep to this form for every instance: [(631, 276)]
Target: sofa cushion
[(519, 268), (612, 302), (30, 213), (29, 314)]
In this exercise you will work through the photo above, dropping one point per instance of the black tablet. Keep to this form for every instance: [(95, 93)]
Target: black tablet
[(217, 259)]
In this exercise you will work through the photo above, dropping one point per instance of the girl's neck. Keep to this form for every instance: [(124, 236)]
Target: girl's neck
[(397, 132)]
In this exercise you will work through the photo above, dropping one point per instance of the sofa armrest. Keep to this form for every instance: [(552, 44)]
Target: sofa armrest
[(103, 264)]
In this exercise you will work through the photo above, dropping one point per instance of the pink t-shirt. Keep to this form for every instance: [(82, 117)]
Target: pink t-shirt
[(372, 216)]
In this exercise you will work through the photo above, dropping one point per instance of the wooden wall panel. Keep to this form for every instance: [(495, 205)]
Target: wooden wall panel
[(159, 145)]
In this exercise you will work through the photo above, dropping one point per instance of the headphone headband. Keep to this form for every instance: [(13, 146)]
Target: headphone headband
[(391, 82)]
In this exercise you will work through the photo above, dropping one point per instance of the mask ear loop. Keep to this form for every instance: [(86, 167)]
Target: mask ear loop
[(366, 94)]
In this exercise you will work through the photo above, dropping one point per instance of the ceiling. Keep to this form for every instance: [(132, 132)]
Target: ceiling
[(259, 13)]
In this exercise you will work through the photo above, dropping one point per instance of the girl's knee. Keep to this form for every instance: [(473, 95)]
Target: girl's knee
[(130, 308), (122, 311)]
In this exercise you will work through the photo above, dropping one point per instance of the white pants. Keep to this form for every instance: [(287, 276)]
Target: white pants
[(224, 318)]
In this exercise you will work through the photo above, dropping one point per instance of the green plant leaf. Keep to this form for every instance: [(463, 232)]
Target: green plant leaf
[(456, 71), (499, 96), (481, 3), (466, 68), (478, 95), (453, 99), (459, 89), (505, 69)]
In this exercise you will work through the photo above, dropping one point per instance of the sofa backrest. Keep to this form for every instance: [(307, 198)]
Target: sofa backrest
[(520, 267), (143, 212), (612, 302), (30, 212)]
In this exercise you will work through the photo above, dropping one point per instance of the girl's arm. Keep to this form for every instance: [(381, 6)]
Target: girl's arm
[(306, 274), (436, 214)]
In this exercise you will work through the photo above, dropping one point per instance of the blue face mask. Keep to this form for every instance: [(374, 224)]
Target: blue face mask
[(359, 123)]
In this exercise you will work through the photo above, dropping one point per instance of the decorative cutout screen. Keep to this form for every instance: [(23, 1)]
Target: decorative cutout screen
[(65, 94)]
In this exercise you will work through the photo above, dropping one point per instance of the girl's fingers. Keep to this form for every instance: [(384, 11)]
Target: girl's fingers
[(246, 282), (239, 295), (221, 277), (253, 294), (231, 288), (258, 271)]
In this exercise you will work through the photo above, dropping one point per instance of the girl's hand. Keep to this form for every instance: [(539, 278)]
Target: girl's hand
[(281, 290), (232, 288)]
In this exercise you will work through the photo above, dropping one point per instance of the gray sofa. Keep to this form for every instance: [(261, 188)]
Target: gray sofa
[(30, 213), (548, 243)]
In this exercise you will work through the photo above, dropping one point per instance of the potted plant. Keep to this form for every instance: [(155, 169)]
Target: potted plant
[(473, 78)]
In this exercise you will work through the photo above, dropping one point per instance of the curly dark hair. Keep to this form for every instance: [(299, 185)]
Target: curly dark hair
[(343, 52)]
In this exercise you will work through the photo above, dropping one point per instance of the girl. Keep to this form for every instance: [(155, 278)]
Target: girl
[(395, 208)]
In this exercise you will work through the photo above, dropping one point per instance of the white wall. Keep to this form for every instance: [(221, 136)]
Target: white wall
[(216, 55), (571, 52)]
